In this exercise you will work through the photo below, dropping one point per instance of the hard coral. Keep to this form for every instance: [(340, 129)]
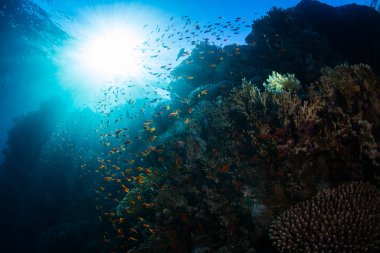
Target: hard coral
[(344, 219)]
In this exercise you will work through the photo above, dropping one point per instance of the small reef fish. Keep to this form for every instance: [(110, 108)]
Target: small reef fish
[(202, 92), (175, 113), (124, 188), (225, 168)]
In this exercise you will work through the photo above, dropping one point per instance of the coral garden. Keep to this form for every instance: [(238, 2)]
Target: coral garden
[(253, 160), (248, 156)]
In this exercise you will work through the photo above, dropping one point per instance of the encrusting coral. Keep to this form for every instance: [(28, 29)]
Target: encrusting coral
[(344, 219)]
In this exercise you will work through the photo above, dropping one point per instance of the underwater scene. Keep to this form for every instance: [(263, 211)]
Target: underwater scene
[(189, 126)]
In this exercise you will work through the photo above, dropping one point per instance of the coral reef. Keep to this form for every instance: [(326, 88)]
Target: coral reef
[(231, 155), (344, 219), (241, 159)]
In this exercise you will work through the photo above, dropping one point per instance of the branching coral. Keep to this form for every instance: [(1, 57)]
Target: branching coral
[(344, 219)]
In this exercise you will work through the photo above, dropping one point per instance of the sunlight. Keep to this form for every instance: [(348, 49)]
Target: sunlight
[(106, 49), (110, 54)]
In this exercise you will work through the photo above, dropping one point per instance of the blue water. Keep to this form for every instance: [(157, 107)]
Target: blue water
[(30, 76), (65, 110)]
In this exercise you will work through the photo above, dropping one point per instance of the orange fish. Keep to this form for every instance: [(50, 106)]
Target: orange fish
[(225, 168), (151, 139), (116, 167), (139, 180), (125, 189), (148, 205), (174, 114)]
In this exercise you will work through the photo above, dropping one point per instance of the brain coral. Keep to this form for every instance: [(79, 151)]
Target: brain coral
[(344, 219)]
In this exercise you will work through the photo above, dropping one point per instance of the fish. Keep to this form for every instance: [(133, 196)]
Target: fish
[(116, 167), (148, 205), (153, 138), (110, 214), (202, 92), (139, 179), (225, 168), (133, 230), (175, 113), (130, 161), (151, 130), (124, 188)]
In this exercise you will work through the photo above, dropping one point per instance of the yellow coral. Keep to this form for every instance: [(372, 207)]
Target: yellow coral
[(278, 83)]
